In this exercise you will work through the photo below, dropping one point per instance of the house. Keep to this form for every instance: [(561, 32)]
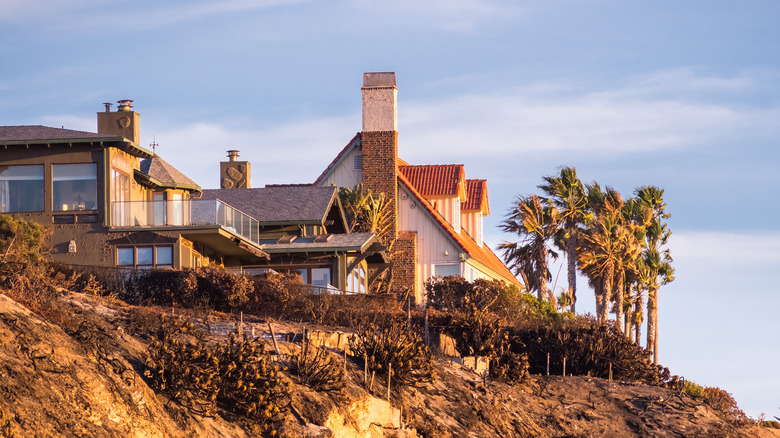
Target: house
[(111, 202), (437, 226), (303, 229)]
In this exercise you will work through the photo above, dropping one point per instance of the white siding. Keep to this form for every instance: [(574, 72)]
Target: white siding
[(449, 208), (345, 174), (434, 246), (472, 223)]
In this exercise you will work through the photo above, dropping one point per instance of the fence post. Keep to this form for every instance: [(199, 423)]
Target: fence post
[(564, 366), (427, 332), (389, 372), (548, 364), (610, 371), (273, 336)]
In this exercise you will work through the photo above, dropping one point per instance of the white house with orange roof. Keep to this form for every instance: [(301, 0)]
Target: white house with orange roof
[(438, 213)]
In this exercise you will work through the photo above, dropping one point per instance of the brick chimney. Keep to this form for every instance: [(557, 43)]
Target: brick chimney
[(122, 123), (234, 174), (380, 140)]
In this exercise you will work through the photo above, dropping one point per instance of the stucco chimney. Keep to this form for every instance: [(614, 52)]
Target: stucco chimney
[(234, 174), (122, 123), (379, 102)]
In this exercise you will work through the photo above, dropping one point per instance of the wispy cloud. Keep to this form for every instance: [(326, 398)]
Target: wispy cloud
[(644, 114), (125, 17), (455, 15)]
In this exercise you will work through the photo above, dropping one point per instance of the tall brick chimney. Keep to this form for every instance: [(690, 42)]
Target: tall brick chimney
[(380, 140), (122, 123)]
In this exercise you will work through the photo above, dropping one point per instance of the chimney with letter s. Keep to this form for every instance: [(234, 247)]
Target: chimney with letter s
[(124, 122)]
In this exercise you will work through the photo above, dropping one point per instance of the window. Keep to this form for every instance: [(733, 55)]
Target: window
[(145, 257), (74, 186), (358, 162), (120, 197), (356, 282), (446, 270), (21, 188)]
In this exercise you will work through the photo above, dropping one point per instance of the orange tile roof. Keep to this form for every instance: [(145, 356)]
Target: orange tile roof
[(482, 254), (437, 179), (477, 197)]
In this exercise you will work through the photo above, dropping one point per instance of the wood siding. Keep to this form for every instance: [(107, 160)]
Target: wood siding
[(432, 242)]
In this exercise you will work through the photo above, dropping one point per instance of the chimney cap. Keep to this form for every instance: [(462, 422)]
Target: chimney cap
[(108, 106), (232, 154), (379, 79), (124, 105)]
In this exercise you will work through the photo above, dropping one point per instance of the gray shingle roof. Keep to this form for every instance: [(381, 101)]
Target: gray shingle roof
[(165, 175), (279, 204), (337, 242), (40, 132)]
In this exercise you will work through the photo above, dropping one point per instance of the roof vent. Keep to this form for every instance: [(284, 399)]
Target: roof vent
[(232, 155), (125, 105)]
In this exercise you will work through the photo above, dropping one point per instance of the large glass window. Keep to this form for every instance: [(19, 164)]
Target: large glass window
[(74, 186), (21, 188), (445, 270), (120, 197)]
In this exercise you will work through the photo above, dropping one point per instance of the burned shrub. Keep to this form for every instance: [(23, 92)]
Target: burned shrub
[(317, 369), (393, 346), (237, 377)]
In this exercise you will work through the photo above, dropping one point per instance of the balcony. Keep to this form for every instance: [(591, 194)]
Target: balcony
[(185, 213)]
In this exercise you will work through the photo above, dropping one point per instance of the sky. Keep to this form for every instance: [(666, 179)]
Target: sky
[(681, 95)]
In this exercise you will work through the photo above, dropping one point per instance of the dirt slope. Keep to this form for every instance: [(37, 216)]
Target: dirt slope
[(88, 383)]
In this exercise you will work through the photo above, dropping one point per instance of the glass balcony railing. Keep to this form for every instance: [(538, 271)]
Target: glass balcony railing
[(172, 213)]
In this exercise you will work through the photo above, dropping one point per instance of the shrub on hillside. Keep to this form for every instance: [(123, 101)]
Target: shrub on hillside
[(394, 346), (237, 377), (589, 349), (23, 273)]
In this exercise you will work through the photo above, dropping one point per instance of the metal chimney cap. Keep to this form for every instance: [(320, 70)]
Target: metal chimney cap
[(232, 154), (124, 105), (108, 106)]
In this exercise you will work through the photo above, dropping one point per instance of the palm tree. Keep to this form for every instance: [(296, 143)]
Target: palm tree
[(535, 221), (568, 195), (656, 258)]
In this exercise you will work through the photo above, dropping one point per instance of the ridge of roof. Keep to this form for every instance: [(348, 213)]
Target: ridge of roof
[(341, 155), (482, 254)]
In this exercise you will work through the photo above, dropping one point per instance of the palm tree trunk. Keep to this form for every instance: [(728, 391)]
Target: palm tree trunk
[(638, 313), (606, 292), (619, 282), (571, 259), (652, 314), (542, 262)]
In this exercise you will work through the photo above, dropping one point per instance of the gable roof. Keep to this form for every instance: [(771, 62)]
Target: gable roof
[(156, 172), (355, 142), (281, 205), (476, 197), (39, 134), (437, 179), (483, 255)]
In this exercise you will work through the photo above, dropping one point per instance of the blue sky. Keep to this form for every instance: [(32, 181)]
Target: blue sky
[(682, 95)]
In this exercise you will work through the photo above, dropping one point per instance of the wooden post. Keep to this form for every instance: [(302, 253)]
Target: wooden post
[(409, 312), (345, 361), (389, 372), (610, 371), (273, 337), (365, 369), (548, 364), (241, 325), (427, 333), (371, 383), (564, 366)]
